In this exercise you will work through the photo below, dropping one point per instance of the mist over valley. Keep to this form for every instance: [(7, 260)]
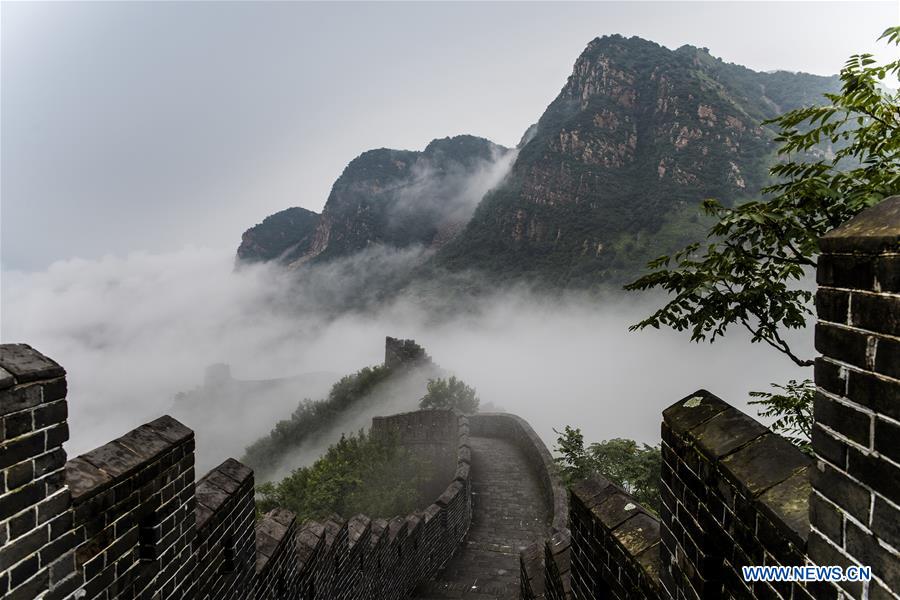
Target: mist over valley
[(506, 264), (406, 301), (133, 332)]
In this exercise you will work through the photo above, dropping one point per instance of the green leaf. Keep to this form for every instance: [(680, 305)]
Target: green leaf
[(752, 273)]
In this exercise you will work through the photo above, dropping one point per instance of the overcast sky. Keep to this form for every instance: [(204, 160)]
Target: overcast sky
[(129, 127)]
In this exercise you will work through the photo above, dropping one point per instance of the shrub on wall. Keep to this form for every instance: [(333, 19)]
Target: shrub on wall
[(313, 418), (633, 467), (450, 393), (358, 474)]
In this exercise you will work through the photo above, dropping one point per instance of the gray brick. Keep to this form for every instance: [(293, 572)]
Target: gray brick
[(847, 494), (844, 419), (27, 364), (19, 398)]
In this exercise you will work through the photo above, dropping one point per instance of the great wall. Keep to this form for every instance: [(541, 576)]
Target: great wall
[(130, 520)]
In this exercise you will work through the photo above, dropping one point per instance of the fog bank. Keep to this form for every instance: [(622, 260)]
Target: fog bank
[(134, 331)]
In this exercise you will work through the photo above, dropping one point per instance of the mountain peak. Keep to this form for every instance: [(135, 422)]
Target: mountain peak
[(611, 175), (278, 235), (395, 198), (614, 172)]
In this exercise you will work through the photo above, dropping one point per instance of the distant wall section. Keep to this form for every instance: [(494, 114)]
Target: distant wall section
[(127, 520)]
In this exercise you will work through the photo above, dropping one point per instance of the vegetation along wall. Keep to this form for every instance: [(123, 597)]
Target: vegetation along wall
[(127, 520), (735, 494)]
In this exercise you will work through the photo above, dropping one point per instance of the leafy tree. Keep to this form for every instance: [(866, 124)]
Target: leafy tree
[(837, 158), (450, 393), (358, 474), (791, 409), (635, 468)]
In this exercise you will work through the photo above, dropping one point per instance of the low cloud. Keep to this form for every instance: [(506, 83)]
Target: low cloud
[(450, 195), (134, 331)]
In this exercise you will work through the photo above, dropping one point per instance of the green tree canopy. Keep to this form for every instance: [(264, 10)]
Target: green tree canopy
[(634, 468), (836, 159), (359, 474), (312, 417), (450, 393)]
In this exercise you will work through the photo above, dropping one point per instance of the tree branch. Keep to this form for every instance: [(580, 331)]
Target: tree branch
[(781, 345)]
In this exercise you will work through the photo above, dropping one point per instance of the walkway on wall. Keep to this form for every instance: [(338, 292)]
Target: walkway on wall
[(509, 513)]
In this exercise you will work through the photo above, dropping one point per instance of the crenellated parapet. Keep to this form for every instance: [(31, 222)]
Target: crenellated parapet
[(615, 548), (128, 520), (363, 558), (133, 512), (37, 554), (735, 494)]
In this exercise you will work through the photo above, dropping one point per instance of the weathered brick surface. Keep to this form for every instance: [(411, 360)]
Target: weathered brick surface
[(615, 544), (732, 494), (127, 520), (225, 539), (35, 520), (728, 501), (36, 554), (432, 434), (510, 514), (856, 479), (114, 522), (133, 513), (517, 430)]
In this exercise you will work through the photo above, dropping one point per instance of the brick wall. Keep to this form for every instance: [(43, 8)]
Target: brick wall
[(433, 429), (403, 352), (127, 520), (615, 548), (133, 513), (35, 522), (113, 522), (855, 506), (361, 558), (359, 534), (226, 547), (733, 494)]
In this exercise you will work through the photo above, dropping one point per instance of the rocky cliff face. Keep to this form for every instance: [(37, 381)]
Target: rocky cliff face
[(283, 236), (611, 176), (392, 198), (615, 169)]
